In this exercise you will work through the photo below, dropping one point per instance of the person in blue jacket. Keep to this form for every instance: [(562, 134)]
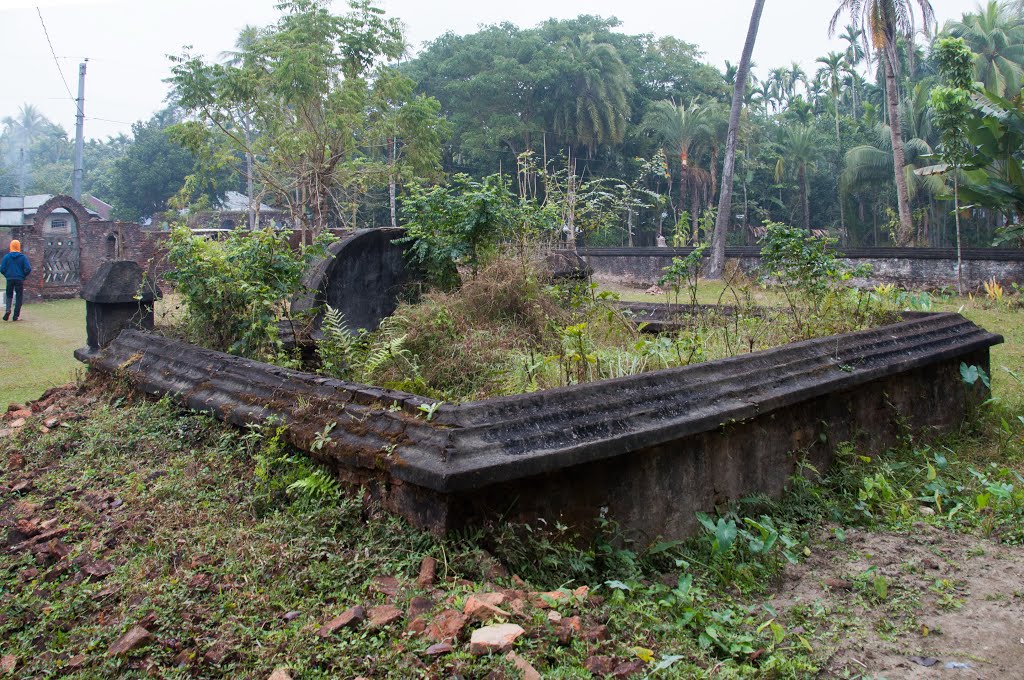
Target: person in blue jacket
[(15, 268)]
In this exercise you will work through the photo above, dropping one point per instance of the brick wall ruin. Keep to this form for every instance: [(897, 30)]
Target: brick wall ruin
[(62, 264)]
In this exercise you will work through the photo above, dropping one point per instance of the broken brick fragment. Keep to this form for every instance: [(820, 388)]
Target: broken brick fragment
[(349, 617), (136, 636)]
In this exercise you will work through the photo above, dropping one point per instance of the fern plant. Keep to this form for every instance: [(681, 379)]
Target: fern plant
[(342, 353), (358, 356), (318, 485)]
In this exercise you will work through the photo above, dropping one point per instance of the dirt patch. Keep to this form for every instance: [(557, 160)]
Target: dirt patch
[(928, 604)]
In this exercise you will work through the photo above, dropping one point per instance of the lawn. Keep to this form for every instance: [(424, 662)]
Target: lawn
[(36, 352)]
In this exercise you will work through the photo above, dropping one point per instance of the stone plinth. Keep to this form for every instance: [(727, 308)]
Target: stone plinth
[(119, 296), (651, 449)]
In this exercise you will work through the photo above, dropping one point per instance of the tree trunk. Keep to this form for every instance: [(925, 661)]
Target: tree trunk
[(695, 210), (248, 172), (839, 169), (959, 251), (717, 264), (805, 199), (714, 174), (392, 189), (905, 233)]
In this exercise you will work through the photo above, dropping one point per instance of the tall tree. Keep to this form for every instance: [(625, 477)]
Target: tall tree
[(951, 107), (724, 217), (152, 170), (831, 71), (854, 48), (886, 23), (247, 37), (306, 84), (799, 149), (591, 94), (681, 129), (409, 129), (995, 33)]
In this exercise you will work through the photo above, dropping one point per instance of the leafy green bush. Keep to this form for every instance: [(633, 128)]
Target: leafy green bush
[(455, 224), (813, 280), (235, 289)]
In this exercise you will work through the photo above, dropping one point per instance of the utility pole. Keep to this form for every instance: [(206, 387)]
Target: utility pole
[(76, 180)]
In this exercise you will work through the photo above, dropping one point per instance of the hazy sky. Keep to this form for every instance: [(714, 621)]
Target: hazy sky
[(127, 41)]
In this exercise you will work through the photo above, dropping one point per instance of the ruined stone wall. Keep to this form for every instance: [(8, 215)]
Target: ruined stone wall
[(101, 241), (650, 449), (911, 268)]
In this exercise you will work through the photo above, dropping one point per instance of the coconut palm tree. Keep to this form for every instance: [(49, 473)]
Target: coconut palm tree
[(852, 82), (779, 78), (794, 76), (682, 130), (831, 72), (28, 126), (995, 33), (765, 91), (724, 217), (854, 49), (869, 165), (800, 148), (592, 96), (886, 22)]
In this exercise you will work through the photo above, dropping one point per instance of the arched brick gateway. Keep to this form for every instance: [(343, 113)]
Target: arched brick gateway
[(61, 256)]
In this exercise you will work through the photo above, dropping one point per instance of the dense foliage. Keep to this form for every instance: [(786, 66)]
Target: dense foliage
[(236, 289), (315, 114), (511, 329)]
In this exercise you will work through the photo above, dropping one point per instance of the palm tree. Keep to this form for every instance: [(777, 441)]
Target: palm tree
[(833, 67), (852, 82), (995, 33), (831, 72), (682, 129), (800, 148), (724, 217), (765, 91), (886, 22), (592, 97), (869, 165), (795, 75), (22, 132), (779, 78), (854, 49), (29, 125)]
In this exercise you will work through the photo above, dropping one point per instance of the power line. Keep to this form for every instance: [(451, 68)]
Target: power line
[(56, 62), (108, 120)]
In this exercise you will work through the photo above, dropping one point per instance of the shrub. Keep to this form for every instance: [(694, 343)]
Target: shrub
[(235, 289)]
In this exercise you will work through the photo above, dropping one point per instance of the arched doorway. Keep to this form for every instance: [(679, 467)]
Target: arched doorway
[(57, 221)]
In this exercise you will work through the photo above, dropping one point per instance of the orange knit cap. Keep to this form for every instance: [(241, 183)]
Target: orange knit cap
[(15, 246)]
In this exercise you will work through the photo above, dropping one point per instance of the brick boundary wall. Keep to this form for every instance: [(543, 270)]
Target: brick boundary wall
[(99, 241)]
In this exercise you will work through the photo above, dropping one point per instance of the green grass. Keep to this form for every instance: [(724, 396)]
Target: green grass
[(36, 352), (212, 542)]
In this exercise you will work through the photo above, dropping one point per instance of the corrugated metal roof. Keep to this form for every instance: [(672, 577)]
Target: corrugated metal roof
[(239, 202), (36, 200), (16, 210)]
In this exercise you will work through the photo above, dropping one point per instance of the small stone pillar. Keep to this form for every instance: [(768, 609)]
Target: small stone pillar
[(118, 296)]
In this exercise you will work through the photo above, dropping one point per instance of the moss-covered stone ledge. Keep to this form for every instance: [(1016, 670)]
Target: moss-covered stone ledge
[(651, 449)]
